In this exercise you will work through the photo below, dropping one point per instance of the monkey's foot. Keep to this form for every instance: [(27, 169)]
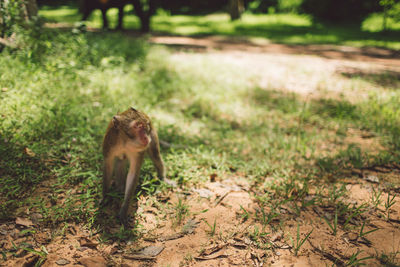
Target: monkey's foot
[(126, 221)]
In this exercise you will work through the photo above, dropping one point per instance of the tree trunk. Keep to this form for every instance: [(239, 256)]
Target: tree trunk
[(145, 24), (26, 11), (385, 15), (144, 13), (236, 8), (31, 9)]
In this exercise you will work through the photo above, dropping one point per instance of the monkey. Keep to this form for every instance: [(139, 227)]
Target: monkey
[(129, 136)]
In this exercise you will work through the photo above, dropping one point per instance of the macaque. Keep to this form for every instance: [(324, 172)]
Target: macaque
[(129, 136)]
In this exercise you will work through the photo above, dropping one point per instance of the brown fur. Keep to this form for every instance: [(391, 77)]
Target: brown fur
[(129, 136)]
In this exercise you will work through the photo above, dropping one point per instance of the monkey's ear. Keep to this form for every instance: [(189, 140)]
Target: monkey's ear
[(132, 108), (116, 121)]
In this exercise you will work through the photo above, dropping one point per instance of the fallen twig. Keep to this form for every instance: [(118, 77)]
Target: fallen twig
[(222, 198)]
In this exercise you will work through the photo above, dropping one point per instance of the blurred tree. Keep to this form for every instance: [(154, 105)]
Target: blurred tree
[(144, 9), (289, 6), (236, 8), (263, 6), (14, 14), (391, 8), (340, 10), (31, 9), (88, 6)]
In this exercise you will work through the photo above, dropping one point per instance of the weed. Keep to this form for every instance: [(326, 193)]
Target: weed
[(42, 254), (354, 212), (336, 192), (333, 225), (245, 215), (376, 197), (388, 204), (363, 234), (299, 241), (266, 218), (259, 237), (181, 210), (390, 259), (354, 261), (212, 227)]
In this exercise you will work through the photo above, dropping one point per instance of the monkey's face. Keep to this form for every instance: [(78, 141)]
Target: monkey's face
[(140, 131), (136, 126)]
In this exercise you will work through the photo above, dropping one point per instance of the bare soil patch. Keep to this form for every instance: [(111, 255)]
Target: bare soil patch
[(211, 43)]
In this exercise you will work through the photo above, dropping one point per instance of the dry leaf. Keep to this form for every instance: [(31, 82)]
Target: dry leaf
[(218, 254), (171, 237), (147, 253), (84, 242), (29, 152), (23, 221), (93, 261), (63, 262)]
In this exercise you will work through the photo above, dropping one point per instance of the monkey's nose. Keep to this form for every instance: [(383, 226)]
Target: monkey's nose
[(138, 126)]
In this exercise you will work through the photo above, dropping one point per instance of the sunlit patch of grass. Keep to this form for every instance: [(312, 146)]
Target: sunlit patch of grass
[(61, 14), (212, 112), (374, 23), (281, 28)]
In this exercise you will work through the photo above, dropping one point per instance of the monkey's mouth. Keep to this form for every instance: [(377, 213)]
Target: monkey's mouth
[(143, 137)]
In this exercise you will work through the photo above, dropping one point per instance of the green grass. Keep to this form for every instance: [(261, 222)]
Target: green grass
[(279, 28), (59, 92)]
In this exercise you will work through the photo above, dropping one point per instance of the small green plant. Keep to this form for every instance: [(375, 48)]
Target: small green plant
[(259, 237), (362, 233), (354, 213), (354, 261), (335, 193), (389, 259), (188, 258), (388, 204), (245, 215), (333, 225), (376, 197), (299, 241), (42, 254), (212, 227), (181, 210)]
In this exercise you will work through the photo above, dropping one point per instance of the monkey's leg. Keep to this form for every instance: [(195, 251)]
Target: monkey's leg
[(120, 174), (120, 17), (130, 188), (107, 177), (104, 15)]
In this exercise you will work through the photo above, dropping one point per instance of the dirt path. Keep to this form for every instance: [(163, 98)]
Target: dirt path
[(380, 56), (218, 223)]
